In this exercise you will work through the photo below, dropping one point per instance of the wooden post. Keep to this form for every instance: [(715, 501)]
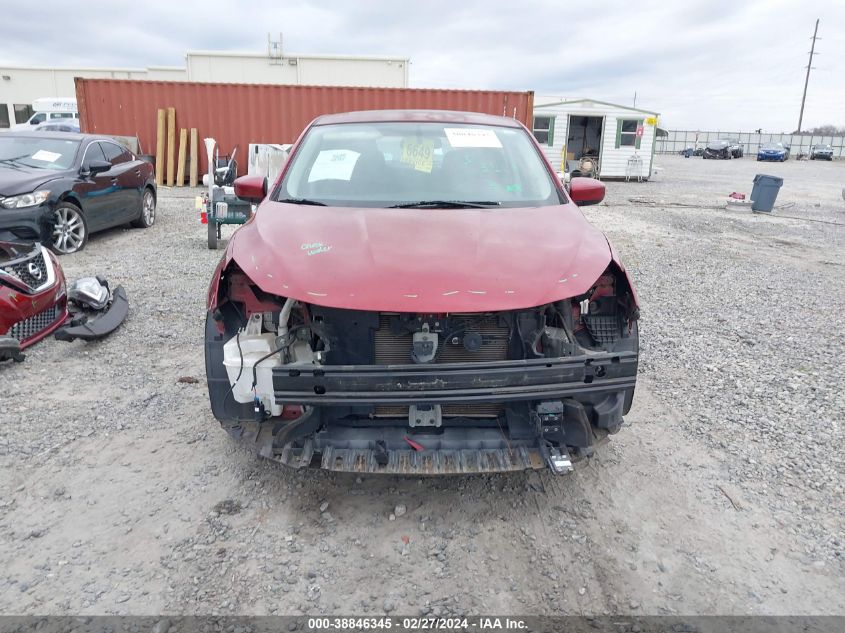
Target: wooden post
[(194, 158), (171, 146), (180, 165), (160, 129)]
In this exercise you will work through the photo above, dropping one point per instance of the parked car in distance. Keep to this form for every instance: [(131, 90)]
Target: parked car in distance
[(772, 151), (58, 188), (58, 125), (420, 294), (718, 149), (737, 151), (821, 152), (699, 151)]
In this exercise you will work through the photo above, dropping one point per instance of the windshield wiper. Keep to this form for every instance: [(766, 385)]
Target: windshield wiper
[(447, 204), (315, 203), (15, 161)]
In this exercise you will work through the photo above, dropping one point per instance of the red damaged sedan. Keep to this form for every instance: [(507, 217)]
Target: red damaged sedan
[(419, 294)]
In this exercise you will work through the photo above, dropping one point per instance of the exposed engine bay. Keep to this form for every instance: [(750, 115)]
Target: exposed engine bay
[(365, 391)]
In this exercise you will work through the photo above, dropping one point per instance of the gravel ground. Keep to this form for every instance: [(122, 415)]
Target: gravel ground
[(724, 494)]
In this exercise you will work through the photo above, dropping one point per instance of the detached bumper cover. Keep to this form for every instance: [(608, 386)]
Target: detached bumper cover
[(501, 381), (101, 326)]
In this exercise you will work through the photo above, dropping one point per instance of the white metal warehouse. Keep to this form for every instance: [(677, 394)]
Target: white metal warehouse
[(615, 136)]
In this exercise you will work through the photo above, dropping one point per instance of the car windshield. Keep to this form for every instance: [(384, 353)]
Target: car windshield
[(771, 146), (418, 164), (823, 147), (38, 153)]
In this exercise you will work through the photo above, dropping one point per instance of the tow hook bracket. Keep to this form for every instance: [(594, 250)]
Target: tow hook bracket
[(424, 415), (559, 462), (550, 415)]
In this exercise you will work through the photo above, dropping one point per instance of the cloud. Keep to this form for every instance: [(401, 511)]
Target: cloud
[(703, 64)]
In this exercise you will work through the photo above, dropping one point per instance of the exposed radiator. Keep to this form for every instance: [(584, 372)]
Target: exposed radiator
[(392, 349)]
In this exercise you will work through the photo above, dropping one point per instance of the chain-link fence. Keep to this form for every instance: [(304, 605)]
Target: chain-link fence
[(678, 140)]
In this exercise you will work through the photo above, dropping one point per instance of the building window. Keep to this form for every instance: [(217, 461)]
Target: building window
[(4, 115), (626, 133), (544, 130), (23, 112)]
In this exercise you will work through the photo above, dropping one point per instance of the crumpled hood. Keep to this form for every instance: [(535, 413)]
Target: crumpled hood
[(421, 260), (16, 181)]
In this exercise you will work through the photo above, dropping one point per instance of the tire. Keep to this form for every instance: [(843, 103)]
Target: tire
[(148, 210), (212, 234), (70, 229)]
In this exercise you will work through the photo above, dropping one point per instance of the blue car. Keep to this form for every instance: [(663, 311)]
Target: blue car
[(772, 151)]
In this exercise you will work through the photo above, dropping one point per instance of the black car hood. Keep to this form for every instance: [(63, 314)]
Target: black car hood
[(14, 180)]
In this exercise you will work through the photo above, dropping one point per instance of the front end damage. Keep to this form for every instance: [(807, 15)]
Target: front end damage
[(421, 393)]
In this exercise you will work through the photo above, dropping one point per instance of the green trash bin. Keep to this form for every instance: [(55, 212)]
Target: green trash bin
[(765, 192)]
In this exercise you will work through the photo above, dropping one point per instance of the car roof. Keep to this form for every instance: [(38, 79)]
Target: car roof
[(419, 116), (61, 136)]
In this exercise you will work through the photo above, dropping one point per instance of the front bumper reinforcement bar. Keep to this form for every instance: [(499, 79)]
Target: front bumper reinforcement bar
[(495, 381)]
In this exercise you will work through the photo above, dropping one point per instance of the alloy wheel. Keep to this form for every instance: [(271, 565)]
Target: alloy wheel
[(69, 230), (149, 208)]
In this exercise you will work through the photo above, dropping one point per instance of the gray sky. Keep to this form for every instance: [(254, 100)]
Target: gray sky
[(703, 64)]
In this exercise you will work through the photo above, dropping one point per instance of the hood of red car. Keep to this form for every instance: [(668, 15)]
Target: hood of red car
[(421, 260)]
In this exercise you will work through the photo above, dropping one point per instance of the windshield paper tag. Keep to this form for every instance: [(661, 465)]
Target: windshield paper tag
[(471, 137), (333, 164), (419, 153), (47, 157)]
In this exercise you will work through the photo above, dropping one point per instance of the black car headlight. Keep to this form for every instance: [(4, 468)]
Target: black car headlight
[(25, 199)]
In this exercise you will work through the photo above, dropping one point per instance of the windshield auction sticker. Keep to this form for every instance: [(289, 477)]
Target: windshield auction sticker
[(419, 153), (47, 157), (334, 164), (471, 137)]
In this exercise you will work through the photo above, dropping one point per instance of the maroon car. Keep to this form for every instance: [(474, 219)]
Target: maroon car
[(33, 298), (419, 293)]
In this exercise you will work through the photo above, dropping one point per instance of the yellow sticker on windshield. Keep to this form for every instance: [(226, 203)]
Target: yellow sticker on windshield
[(419, 153)]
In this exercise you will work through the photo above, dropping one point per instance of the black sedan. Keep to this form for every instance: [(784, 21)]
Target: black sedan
[(57, 188)]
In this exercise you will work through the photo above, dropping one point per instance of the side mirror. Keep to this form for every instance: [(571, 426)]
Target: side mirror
[(251, 189), (586, 191), (96, 167)]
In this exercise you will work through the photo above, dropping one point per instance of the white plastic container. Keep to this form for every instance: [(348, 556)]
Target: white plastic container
[(253, 347)]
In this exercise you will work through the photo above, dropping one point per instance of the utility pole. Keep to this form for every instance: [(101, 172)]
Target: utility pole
[(807, 78), (635, 98)]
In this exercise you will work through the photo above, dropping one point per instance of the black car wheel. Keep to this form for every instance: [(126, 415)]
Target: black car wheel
[(148, 211), (70, 229)]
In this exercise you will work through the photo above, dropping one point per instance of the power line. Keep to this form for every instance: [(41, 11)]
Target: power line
[(807, 78)]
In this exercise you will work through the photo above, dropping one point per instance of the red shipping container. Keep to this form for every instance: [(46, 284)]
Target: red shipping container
[(240, 114)]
